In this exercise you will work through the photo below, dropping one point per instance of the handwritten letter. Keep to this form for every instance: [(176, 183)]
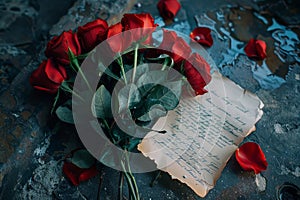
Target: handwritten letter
[(202, 133)]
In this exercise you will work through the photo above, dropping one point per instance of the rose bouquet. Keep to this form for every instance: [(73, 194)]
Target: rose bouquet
[(119, 80)]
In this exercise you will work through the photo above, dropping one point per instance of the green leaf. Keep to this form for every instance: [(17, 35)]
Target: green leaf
[(165, 59), (128, 96), (82, 159), (149, 79), (64, 112), (101, 103), (154, 112), (73, 60), (133, 142), (167, 95)]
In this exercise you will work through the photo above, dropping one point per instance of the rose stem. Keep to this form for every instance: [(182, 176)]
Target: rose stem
[(132, 178), (64, 86), (154, 181), (73, 60), (120, 61), (135, 62), (129, 182), (121, 183), (100, 184)]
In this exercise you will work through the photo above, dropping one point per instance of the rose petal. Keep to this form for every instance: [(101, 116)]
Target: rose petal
[(202, 35), (144, 21), (251, 157), (58, 46), (256, 49), (76, 174), (48, 76), (197, 72), (91, 34), (168, 8)]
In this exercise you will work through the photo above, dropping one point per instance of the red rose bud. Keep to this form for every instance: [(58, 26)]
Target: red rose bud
[(202, 36), (91, 34), (121, 41), (174, 46), (251, 157), (197, 72), (76, 174), (57, 48), (48, 76), (256, 49), (168, 8), (143, 20)]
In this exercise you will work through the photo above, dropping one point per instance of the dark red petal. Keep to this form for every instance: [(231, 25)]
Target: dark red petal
[(55, 72), (92, 33), (57, 47), (202, 35), (251, 157), (261, 48), (76, 174), (116, 42), (72, 172), (88, 173), (49, 90), (256, 49), (39, 79), (168, 8), (250, 48), (197, 72), (169, 38), (181, 50)]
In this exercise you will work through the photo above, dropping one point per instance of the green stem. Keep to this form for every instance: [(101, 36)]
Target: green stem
[(133, 181), (135, 62), (64, 86), (129, 182), (120, 61), (55, 101), (83, 76), (154, 181), (121, 183), (75, 66)]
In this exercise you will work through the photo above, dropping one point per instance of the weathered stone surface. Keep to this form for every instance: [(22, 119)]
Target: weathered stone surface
[(32, 149)]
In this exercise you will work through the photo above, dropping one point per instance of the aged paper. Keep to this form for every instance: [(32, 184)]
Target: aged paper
[(202, 133)]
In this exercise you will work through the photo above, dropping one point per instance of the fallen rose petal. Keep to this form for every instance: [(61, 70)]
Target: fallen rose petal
[(202, 35), (168, 8), (76, 174), (256, 49), (251, 157)]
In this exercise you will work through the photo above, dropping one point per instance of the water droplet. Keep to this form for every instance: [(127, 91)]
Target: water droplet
[(197, 38)]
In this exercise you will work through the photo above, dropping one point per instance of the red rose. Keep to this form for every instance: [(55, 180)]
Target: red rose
[(197, 72), (58, 47), (202, 36), (256, 49), (121, 41), (48, 76), (143, 20), (251, 157), (174, 46), (77, 174), (91, 34), (168, 8)]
